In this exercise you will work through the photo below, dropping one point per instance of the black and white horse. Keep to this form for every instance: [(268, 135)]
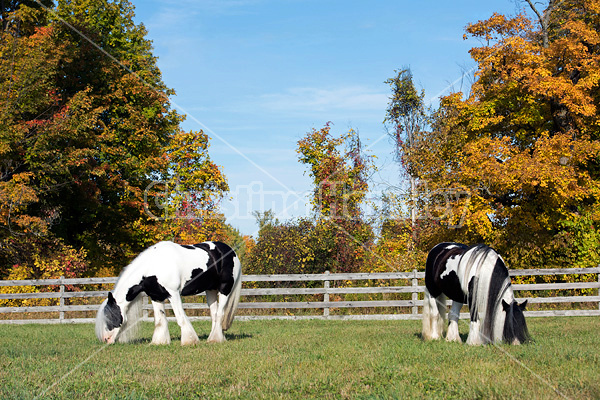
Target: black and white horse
[(478, 277), (168, 271)]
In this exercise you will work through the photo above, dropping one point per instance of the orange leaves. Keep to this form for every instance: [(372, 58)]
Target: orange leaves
[(551, 168), (525, 142), (16, 194), (190, 194), (498, 26)]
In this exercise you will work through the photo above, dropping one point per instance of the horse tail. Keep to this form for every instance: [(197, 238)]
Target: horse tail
[(233, 299), (131, 328)]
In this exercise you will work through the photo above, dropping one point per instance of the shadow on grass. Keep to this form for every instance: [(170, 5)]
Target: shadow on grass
[(463, 337), (203, 338), (228, 336)]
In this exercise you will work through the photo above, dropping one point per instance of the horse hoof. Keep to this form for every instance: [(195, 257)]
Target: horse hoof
[(216, 340), (190, 342)]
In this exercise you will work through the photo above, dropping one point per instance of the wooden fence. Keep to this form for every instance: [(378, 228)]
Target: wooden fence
[(395, 295)]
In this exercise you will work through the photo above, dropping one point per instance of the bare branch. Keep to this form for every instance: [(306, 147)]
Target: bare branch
[(543, 21), (544, 18)]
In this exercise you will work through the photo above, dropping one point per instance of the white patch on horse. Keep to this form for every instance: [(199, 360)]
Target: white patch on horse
[(451, 266), (202, 263)]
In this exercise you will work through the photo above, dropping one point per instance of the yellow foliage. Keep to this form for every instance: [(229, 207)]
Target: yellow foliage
[(525, 142), (56, 261)]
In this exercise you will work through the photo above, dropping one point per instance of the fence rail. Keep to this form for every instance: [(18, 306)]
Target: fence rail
[(332, 291)]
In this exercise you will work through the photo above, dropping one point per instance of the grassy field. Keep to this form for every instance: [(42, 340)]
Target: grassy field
[(299, 360)]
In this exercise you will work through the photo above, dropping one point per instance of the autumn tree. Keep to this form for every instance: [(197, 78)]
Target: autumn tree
[(522, 148), (340, 170), (186, 203), (336, 236), (86, 130)]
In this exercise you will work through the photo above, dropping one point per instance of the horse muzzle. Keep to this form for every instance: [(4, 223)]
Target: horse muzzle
[(108, 339)]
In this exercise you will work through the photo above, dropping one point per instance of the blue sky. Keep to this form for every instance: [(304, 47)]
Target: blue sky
[(256, 75)]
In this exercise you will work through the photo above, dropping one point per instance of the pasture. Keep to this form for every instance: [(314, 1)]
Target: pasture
[(301, 359)]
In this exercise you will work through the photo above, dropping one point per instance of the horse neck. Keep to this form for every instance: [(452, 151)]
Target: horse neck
[(119, 293), (129, 277)]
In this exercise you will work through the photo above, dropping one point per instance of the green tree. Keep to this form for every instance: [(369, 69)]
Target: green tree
[(283, 248), (407, 117), (86, 128), (339, 173), (9, 7)]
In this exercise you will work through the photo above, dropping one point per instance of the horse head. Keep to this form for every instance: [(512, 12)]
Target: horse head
[(109, 320), (515, 328)]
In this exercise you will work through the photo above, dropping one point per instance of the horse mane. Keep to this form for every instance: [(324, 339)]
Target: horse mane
[(129, 272), (100, 320), (515, 327), (490, 287), (130, 330)]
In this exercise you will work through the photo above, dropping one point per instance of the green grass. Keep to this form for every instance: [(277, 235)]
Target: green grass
[(299, 360)]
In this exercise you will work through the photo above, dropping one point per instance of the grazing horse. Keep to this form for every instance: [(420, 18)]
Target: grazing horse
[(478, 277), (168, 271)]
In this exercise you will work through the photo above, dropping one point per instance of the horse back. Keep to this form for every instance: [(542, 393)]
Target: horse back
[(217, 274), (440, 276)]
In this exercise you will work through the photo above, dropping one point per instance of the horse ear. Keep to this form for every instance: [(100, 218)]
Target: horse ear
[(523, 305), (505, 305), (111, 299)]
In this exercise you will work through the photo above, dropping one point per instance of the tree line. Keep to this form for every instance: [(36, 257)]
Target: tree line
[(94, 165), (513, 163)]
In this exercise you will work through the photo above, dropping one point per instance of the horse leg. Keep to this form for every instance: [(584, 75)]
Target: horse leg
[(161, 328), (188, 334), (474, 337), (431, 317), (440, 323), (426, 332), (216, 303), (453, 335), (211, 300)]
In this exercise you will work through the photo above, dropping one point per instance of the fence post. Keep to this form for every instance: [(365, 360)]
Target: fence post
[(61, 301), (415, 295), (326, 296)]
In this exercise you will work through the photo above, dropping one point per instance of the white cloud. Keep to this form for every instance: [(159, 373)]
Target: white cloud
[(306, 100)]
